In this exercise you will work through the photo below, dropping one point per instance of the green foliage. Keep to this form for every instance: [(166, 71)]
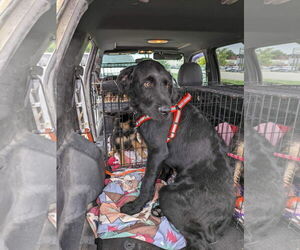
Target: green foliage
[(201, 61), (232, 82), (278, 54), (281, 82), (165, 63), (265, 56), (224, 55), (88, 48), (51, 47)]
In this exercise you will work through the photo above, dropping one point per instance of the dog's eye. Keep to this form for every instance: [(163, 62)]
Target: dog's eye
[(148, 85), (166, 83)]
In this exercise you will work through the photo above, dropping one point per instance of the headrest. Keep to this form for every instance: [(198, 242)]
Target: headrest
[(190, 74)]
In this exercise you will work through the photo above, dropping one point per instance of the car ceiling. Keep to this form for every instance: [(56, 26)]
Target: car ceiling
[(189, 25), (271, 24)]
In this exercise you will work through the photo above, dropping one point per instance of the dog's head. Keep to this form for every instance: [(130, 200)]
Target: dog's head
[(149, 87)]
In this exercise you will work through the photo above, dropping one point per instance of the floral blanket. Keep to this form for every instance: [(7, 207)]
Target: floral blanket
[(108, 222)]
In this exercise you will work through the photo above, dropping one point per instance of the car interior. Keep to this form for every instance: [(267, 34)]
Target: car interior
[(68, 139)]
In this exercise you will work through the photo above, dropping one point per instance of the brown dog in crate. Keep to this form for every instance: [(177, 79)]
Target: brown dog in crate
[(125, 139)]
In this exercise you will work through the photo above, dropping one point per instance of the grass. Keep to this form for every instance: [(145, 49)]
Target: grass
[(239, 82), (232, 82), (282, 82)]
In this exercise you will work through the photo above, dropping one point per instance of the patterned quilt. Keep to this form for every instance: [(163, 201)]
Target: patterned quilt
[(108, 222)]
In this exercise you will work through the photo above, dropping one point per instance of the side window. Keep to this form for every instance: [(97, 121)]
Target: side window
[(37, 98), (86, 55), (231, 63), (201, 60), (45, 59), (280, 64)]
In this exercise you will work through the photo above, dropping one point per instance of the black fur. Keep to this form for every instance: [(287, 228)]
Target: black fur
[(264, 191), (200, 202)]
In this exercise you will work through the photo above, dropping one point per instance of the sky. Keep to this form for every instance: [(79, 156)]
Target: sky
[(286, 48), (234, 47)]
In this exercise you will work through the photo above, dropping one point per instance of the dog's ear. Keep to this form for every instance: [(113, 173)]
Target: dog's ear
[(124, 79)]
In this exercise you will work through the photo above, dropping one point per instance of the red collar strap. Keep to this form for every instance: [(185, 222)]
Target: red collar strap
[(176, 110), (141, 120)]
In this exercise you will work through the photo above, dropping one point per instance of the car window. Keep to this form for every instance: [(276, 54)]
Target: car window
[(201, 60), (45, 59), (86, 55), (37, 96), (231, 63), (280, 64), (112, 64)]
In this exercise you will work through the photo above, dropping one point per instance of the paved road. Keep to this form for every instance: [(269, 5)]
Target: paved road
[(232, 75), (288, 76)]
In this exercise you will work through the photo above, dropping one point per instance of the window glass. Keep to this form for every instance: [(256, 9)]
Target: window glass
[(201, 60), (86, 54), (112, 64), (280, 64), (43, 62), (37, 97), (231, 63), (45, 59)]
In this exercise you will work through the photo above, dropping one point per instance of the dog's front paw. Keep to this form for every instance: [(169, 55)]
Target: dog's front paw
[(130, 208)]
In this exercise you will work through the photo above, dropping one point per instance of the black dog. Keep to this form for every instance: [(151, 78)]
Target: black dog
[(200, 202), (264, 194)]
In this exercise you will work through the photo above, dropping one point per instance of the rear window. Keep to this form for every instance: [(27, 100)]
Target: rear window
[(280, 64), (231, 63), (112, 64)]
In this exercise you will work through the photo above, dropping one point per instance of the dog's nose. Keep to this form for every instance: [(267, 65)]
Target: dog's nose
[(164, 109)]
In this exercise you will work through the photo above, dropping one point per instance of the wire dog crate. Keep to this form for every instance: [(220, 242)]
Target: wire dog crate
[(124, 147), (274, 113), (222, 106)]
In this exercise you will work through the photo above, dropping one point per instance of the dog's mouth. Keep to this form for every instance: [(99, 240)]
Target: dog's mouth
[(164, 110)]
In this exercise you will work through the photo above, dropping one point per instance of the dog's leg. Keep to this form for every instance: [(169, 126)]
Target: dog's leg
[(178, 208), (155, 159)]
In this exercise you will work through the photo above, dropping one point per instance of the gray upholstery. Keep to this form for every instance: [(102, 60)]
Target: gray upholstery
[(80, 179), (28, 177), (190, 74)]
